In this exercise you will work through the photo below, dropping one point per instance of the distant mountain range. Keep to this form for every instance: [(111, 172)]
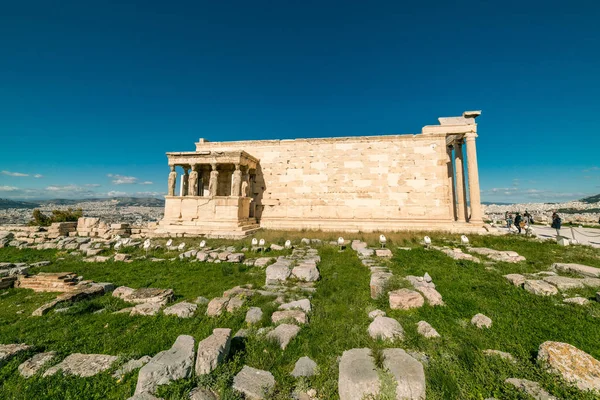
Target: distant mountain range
[(121, 201)]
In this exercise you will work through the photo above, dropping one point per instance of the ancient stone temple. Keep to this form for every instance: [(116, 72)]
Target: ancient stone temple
[(365, 183)]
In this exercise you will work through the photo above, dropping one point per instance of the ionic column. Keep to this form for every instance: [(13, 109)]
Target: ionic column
[(213, 183), (451, 190), (184, 181), (461, 191), (193, 182), (474, 194), (236, 181), (172, 181)]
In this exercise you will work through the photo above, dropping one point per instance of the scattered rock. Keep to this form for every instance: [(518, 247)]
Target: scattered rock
[(182, 310), (263, 261), (217, 306), (408, 372), (573, 365), (201, 300), (121, 257), (69, 297), (564, 283), (303, 304), (378, 283), (426, 330), (283, 334), (277, 273), (578, 268), (8, 351), (35, 363), (433, 297), (376, 313), (481, 321), (144, 295), (304, 367), (253, 383), (307, 271), (358, 378), (276, 247), (169, 365), (235, 303), (516, 279), (254, 315), (201, 393), (386, 328), (405, 299), (539, 287), (130, 366), (212, 351), (83, 365), (235, 257), (387, 253), (531, 388), (146, 309), (365, 252), (498, 255), (297, 315), (576, 300)]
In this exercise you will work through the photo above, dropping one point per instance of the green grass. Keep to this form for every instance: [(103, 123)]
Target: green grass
[(457, 369)]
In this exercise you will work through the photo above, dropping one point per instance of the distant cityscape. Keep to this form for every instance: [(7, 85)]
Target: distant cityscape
[(135, 211)]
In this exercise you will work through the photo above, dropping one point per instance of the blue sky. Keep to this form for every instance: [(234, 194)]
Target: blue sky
[(93, 94)]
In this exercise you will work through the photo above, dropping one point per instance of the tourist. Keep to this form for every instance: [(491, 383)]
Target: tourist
[(508, 219), (518, 221), (556, 222)]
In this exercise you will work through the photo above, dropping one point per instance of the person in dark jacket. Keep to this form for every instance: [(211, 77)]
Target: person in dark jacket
[(556, 223), (518, 220)]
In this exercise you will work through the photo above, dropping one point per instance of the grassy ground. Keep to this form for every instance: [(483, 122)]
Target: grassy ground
[(456, 369)]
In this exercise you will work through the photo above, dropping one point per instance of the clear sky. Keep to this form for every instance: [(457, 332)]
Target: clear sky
[(92, 94)]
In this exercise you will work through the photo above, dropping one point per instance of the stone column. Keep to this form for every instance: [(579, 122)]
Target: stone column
[(213, 183), (236, 181), (451, 190), (172, 181), (184, 181), (193, 181), (474, 194), (461, 191)]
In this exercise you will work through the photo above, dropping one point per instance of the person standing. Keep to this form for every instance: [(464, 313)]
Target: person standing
[(518, 220), (556, 223)]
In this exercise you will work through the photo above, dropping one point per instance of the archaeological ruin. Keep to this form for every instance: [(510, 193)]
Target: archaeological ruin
[(365, 183)]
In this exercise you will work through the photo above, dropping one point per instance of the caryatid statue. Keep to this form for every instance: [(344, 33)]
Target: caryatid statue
[(236, 181), (185, 181), (213, 183), (193, 182), (245, 184), (172, 181)]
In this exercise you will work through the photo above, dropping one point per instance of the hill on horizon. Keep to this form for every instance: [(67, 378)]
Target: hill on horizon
[(120, 201), (591, 199)]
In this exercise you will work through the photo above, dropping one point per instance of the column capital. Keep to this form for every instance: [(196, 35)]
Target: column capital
[(470, 136), (172, 167), (213, 166)]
